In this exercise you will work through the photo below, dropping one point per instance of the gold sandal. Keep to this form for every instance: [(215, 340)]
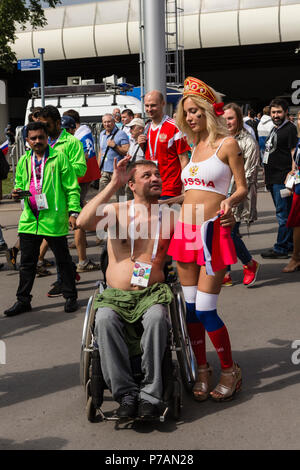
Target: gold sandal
[(201, 389), (229, 392), (292, 266)]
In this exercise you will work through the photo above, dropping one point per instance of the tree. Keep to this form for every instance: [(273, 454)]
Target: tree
[(27, 13)]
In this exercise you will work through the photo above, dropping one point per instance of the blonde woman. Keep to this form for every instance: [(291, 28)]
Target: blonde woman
[(202, 253)]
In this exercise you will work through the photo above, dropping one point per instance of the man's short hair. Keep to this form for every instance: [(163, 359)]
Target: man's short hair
[(137, 163), (108, 114), (277, 102), (36, 126), (266, 110), (128, 112), (73, 114), (51, 112)]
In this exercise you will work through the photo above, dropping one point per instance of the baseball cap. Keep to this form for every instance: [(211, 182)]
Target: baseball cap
[(136, 122), (67, 122)]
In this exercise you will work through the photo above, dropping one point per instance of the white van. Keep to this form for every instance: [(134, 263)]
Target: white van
[(91, 107)]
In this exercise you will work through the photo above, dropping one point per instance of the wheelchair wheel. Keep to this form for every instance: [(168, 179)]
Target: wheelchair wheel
[(86, 340), (185, 355)]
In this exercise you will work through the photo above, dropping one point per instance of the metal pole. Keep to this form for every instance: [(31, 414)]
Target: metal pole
[(42, 75), (155, 48), (142, 63)]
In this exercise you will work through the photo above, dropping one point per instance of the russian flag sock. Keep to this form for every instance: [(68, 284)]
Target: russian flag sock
[(206, 312)]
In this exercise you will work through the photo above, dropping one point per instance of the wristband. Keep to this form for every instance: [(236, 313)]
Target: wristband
[(74, 214)]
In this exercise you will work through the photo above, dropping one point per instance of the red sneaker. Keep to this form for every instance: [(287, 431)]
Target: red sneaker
[(227, 281), (250, 274)]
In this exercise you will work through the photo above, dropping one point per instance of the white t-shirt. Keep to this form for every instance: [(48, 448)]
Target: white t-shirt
[(134, 147)]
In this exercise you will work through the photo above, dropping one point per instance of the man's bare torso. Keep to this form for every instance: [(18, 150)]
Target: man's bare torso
[(120, 266)]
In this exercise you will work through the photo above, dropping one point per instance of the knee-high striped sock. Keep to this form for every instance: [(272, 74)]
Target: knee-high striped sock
[(206, 312), (195, 328)]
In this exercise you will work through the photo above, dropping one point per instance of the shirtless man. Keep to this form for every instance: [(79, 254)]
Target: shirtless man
[(145, 182), (124, 256)]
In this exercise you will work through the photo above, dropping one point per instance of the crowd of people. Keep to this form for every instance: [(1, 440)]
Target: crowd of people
[(207, 161)]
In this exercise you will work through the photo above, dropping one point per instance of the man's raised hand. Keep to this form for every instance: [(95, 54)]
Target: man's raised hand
[(120, 175)]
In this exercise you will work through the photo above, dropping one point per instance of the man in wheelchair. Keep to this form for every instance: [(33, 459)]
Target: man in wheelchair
[(136, 290)]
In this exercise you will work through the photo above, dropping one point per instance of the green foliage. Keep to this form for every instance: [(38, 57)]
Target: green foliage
[(26, 13)]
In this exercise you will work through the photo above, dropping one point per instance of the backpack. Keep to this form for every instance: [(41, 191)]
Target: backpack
[(4, 166)]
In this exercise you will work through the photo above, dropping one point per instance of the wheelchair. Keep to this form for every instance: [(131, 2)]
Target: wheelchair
[(174, 373)]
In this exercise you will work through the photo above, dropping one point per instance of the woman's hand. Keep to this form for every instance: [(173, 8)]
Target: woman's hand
[(227, 219), (225, 207)]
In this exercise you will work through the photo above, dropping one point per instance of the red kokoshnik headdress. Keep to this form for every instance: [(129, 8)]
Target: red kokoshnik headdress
[(194, 86)]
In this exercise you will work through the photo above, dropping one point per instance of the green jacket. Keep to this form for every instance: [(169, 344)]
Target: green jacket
[(73, 149), (62, 191)]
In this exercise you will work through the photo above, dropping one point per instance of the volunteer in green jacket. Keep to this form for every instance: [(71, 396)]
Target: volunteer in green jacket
[(54, 204), (62, 141)]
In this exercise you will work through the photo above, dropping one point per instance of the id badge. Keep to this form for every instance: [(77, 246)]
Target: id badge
[(41, 201), (266, 157), (297, 177), (141, 274)]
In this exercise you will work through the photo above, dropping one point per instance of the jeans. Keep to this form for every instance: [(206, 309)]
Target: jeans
[(284, 241), (240, 247), (30, 249)]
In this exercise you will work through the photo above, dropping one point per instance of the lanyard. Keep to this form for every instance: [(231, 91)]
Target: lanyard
[(131, 228), (276, 129), (153, 155), (38, 189)]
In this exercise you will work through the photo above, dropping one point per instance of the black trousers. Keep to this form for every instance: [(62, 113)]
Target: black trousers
[(30, 249)]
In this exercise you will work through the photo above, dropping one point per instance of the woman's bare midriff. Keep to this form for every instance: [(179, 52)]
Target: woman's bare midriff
[(199, 206)]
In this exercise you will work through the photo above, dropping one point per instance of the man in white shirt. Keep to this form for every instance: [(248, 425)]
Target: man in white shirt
[(136, 127)]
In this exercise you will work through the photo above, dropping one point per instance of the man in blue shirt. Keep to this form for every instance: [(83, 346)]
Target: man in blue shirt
[(114, 143)]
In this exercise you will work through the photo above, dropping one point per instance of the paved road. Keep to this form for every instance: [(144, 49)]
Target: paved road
[(42, 403)]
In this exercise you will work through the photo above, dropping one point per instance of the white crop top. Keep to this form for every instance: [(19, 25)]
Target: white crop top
[(209, 175)]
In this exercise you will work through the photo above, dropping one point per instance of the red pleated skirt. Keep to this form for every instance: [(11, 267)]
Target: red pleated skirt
[(187, 246)]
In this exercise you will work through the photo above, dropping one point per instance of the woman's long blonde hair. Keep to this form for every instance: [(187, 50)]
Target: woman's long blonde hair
[(216, 125)]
